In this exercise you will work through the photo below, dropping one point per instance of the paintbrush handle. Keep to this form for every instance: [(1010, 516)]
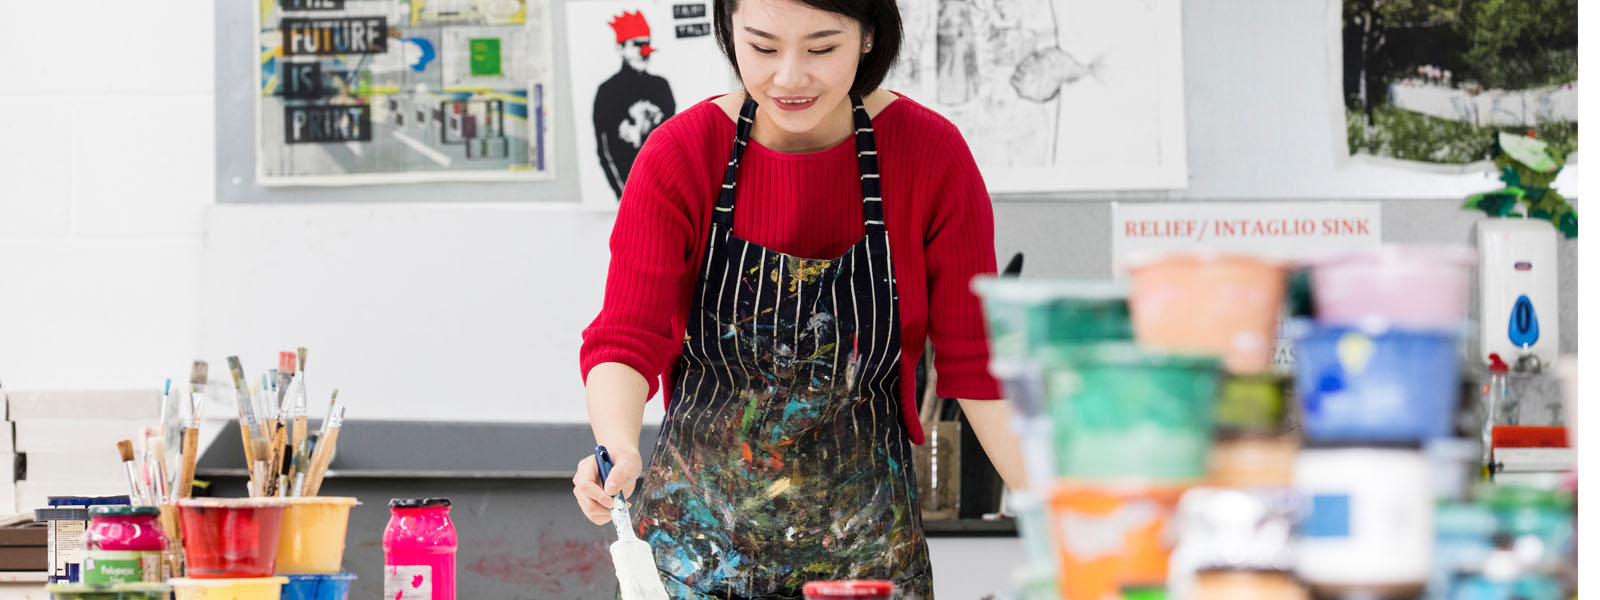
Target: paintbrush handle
[(299, 432), (276, 465), (244, 436), (319, 462), (191, 445)]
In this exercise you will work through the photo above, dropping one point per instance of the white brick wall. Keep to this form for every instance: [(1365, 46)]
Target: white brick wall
[(106, 162)]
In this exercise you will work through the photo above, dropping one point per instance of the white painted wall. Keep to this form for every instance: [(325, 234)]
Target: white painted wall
[(106, 161)]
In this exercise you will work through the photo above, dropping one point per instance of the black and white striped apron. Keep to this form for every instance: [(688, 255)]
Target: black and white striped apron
[(783, 458)]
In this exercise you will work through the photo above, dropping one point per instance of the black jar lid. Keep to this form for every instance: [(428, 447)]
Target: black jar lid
[(419, 502)]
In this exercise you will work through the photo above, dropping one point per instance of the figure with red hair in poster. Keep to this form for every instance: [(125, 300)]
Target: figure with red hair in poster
[(631, 104)]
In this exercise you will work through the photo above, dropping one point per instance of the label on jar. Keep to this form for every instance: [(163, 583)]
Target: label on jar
[(109, 566), (407, 582), (65, 541)]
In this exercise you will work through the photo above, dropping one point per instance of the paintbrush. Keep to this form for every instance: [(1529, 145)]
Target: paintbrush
[(637, 577), (247, 413), (191, 435), (258, 470), (284, 481), (158, 449), (286, 363), (324, 452), (136, 489)]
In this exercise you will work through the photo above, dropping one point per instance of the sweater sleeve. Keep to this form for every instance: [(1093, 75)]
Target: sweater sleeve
[(650, 250), (959, 245)]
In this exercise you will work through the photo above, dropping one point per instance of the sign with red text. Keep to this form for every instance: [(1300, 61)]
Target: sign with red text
[(1287, 230)]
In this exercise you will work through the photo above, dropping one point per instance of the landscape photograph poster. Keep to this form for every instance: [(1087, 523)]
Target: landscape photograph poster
[(1431, 83), (391, 91)]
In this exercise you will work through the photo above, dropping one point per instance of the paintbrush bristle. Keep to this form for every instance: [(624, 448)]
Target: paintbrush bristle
[(157, 446), (125, 448), (301, 353), (286, 362), (198, 373), (236, 369)]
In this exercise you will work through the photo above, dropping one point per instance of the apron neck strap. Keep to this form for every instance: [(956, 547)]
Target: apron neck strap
[(866, 159)]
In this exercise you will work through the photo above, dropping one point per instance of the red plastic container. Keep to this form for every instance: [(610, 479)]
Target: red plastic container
[(858, 589), (231, 538)]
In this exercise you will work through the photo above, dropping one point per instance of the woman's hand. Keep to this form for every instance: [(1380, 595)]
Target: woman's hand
[(596, 501)]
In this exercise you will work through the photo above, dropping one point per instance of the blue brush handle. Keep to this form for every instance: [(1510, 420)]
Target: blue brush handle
[(603, 459)]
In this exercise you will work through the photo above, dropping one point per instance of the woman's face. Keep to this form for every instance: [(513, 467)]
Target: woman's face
[(796, 61)]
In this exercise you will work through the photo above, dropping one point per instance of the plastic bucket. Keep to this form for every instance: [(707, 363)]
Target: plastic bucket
[(1121, 413), (1110, 538), (335, 586), (231, 538), (1389, 386), (313, 535), (1024, 315), (113, 591), (259, 588), (1220, 304), (1405, 286)]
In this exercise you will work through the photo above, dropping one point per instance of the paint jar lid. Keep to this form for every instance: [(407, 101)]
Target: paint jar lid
[(68, 513), (849, 589), (68, 501), (124, 511), (419, 503)]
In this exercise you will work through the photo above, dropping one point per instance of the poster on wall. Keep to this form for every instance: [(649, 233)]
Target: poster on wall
[(1053, 95), (391, 91), (635, 64), (1429, 84)]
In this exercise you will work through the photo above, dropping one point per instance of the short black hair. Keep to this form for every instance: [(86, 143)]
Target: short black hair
[(880, 18)]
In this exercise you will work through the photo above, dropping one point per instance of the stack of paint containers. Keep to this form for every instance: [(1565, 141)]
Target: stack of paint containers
[(1377, 378), (1235, 531), (1113, 433), (230, 548)]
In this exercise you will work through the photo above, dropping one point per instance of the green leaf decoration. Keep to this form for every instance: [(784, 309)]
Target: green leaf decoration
[(1535, 154), (1510, 176), (1498, 203), (1568, 224)]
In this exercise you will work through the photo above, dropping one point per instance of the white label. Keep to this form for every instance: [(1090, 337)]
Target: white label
[(408, 582), (66, 544)]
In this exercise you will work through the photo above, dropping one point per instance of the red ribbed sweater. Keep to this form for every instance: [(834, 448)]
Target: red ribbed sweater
[(937, 212)]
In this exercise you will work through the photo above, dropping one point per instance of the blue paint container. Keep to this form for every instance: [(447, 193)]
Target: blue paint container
[(1393, 386), (333, 586)]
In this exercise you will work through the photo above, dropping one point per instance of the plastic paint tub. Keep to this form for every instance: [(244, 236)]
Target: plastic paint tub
[(1111, 538), (1122, 413), (334, 586), (856, 589), (1390, 386), (115, 591), (313, 535), (1220, 304), (1253, 404), (1252, 461), (231, 538), (1024, 315), (1406, 286), (257, 588), (1370, 519)]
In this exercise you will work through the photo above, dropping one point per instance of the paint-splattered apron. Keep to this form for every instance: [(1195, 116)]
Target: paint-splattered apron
[(783, 458)]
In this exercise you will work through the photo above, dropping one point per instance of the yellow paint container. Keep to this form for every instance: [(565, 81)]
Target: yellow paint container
[(312, 538), (263, 588)]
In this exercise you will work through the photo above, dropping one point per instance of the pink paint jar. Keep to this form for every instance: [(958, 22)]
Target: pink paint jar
[(231, 538), (1418, 287), (126, 528), (861, 589), (419, 550)]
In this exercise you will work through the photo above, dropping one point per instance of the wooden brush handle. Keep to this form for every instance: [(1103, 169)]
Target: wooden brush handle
[(244, 436), (319, 462), (299, 433), (191, 446), (275, 467)]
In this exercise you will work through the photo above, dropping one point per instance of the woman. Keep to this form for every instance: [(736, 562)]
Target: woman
[(781, 275)]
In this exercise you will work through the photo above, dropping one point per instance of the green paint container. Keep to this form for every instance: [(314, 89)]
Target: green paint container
[(114, 591), (1027, 315), (1253, 404), (1123, 413)]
